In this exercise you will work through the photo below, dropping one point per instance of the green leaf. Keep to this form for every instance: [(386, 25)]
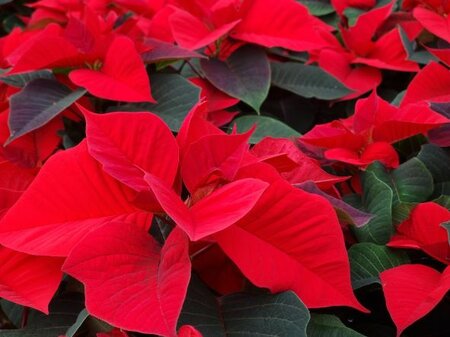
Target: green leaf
[(20, 80), (64, 310), (437, 162), (175, 95), (352, 14), (421, 57), (307, 81), (243, 315), (446, 225), (37, 103), (398, 99), (244, 75), (318, 7), (39, 332), (411, 183), (368, 260), (444, 201), (329, 326), (82, 316), (265, 126), (377, 200)]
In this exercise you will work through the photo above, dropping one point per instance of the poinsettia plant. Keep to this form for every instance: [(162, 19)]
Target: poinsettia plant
[(188, 168)]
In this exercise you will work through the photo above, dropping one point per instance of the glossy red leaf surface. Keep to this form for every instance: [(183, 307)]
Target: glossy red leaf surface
[(192, 33), (83, 198), (292, 253), (217, 155), (188, 331), (433, 22), (122, 77), (432, 83), (293, 27), (412, 291), (149, 300), (215, 212), (423, 231), (301, 169), (130, 145), (29, 280)]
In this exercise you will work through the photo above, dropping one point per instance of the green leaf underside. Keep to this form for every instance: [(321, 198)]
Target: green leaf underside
[(243, 315), (329, 326), (307, 81), (368, 260), (244, 75), (265, 126)]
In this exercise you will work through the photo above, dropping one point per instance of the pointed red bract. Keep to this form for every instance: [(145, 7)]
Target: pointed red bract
[(437, 24), (432, 83), (46, 50), (128, 145), (359, 78), (217, 155), (298, 167), (192, 33), (366, 135), (82, 198), (412, 291), (423, 231), (280, 245), (122, 76), (29, 280), (130, 281), (287, 24), (215, 212), (13, 182), (188, 331)]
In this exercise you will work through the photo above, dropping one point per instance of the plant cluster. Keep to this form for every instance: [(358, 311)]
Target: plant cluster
[(188, 168)]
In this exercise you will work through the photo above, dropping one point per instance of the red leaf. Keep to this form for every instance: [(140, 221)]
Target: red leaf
[(381, 151), (292, 240), (188, 331), (45, 51), (192, 33), (220, 155), (215, 212), (122, 77), (146, 145), (292, 27), (359, 78), (412, 291), (408, 121), (333, 135), (442, 54), (70, 197), (29, 280), (358, 38), (216, 269), (32, 149), (150, 297), (388, 52), (423, 231), (215, 99), (433, 22), (303, 168), (432, 83), (196, 126), (13, 182)]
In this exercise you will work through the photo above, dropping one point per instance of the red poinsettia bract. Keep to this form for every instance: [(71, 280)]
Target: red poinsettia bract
[(367, 135)]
